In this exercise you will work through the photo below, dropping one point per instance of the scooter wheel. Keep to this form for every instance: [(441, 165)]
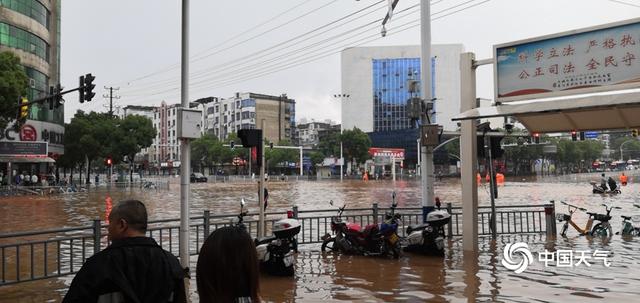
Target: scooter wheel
[(329, 245)]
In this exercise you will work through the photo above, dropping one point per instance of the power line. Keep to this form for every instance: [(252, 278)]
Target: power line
[(239, 43), (341, 47), (273, 69), (111, 97), (281, 45), (286, 55)]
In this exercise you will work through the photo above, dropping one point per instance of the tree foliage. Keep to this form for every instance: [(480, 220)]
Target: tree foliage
[(355, 145), (13, 85)]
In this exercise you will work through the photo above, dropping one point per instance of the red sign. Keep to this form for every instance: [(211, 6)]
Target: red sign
[(397, 153), (28, 133)]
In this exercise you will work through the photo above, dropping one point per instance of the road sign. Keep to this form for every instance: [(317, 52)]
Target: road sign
[(430, 135), (591, 135)]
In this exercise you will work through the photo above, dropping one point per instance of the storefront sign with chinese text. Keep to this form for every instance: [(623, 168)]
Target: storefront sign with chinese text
[(584, 61)]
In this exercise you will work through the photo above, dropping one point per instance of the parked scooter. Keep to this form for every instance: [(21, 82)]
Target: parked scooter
[(375, 240), (428, 238), (275, 253), (630, 225)]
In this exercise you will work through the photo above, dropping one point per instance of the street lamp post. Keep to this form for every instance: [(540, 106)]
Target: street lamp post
[(623, 143), (341, 97)]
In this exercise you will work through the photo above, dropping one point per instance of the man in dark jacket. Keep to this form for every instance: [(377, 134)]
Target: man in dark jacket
[(134, 268)]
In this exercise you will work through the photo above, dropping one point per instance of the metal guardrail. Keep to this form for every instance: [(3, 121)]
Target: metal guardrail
[(29, 256)]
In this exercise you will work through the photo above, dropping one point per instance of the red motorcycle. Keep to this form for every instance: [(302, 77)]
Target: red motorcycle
[(374, 240)]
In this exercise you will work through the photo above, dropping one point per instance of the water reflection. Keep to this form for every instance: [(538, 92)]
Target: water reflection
[(458, 277)]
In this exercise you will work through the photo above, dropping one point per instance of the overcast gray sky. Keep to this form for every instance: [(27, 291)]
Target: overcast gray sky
[(281, 46)]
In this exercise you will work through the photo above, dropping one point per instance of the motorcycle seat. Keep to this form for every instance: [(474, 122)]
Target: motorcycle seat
[(264, 240), (413, 228), (591, 214), (370, 229)]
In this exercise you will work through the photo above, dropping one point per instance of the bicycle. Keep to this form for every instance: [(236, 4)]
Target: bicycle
[(602, 228), (628, 227)]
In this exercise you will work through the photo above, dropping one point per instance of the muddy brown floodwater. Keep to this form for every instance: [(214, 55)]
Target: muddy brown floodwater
[(458, 277)]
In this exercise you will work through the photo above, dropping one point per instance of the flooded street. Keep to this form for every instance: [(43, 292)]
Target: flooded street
[(458, 277)]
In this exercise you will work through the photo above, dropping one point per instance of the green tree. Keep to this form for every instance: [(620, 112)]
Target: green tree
[(276, 156), (13, 85), (630, 150), (135, 133), (329, 145), (355, 145), (201, 151)]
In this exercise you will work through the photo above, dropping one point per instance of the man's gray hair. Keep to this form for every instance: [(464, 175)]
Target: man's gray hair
[(132, 211)]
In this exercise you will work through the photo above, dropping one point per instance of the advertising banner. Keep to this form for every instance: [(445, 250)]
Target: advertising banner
[(583, 61), (397, 153)]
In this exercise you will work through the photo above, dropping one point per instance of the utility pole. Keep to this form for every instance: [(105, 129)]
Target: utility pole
[(185, 157), (426, 166), (426, 159), (111, 97)]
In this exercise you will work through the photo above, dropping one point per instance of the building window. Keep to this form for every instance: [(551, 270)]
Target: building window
[(249, 103), (225, 108), (238, 116), (217, 108), (30, 8), (14, 37), (238, 104)]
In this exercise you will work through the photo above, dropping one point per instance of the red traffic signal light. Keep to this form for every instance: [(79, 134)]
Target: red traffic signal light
[(536, 138), (109, 162), (574, 135)]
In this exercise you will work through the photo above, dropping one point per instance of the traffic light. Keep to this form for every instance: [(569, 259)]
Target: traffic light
[(88, 87), (232, 144), (81, 90), (109, 161), (536, 138), (58, 98), (250, 137), (574, 135), (581, 136), (634, 132), (24, 110), (51, 98)]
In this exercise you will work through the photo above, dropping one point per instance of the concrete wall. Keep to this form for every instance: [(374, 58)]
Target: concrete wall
[(357, 82)]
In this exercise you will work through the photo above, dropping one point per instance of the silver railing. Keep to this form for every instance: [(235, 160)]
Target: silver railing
[(35, 255)]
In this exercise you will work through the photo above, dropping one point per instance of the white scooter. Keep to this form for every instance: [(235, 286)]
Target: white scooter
[(275, 252), (428, 238)]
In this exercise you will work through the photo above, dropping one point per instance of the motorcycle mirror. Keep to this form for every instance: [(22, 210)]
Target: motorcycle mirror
[(242, 202), (582, 209)]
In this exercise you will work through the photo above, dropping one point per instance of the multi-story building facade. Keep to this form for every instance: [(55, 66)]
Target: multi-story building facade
[(31, 30), (308, 134), (376, 79), (247, 111), (165, 151)]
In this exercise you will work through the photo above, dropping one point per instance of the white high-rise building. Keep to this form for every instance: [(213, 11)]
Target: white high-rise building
[(375, 78)]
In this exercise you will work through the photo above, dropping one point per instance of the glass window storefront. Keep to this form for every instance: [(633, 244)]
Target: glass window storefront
[(30, 8), (12, 36)]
